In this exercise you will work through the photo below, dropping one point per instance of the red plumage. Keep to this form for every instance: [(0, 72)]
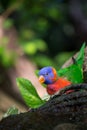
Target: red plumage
[(58, 85)]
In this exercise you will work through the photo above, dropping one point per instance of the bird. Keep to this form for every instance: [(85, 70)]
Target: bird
[(56, 80), (48, 75)]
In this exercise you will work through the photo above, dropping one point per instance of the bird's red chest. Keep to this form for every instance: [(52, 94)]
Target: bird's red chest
[(59, 84)]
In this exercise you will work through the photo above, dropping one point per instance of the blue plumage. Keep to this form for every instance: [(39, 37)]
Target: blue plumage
[(48, 74)]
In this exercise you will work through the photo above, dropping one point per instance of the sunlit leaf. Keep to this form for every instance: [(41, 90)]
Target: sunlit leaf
[(29, 93)]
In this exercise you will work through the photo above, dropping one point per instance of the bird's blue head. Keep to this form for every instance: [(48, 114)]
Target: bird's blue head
[(47, 75)]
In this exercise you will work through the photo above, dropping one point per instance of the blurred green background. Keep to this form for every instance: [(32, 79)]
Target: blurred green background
[(48, 31)]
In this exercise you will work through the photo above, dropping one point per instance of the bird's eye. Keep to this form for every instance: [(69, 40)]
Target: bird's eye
[(46, 74)]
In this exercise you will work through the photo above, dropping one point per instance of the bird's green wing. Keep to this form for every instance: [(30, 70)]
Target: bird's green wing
[(74, 72)]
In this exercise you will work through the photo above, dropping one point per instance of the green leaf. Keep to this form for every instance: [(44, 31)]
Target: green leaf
[(80, 57), (29, 93), (11, 111), (74, 72)]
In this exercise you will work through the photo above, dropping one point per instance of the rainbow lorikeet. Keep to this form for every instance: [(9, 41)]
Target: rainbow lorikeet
[(56, 80), (48, 75)]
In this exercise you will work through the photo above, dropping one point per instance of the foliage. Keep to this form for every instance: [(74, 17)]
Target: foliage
[(11, 111), (33, 46), (74, 72), (29, 93), (44, 29), (42, 60), (61, 58), (8, 23), (7, 57)]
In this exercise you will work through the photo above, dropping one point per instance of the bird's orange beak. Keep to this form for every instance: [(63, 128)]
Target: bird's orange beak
[(41, 79)]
